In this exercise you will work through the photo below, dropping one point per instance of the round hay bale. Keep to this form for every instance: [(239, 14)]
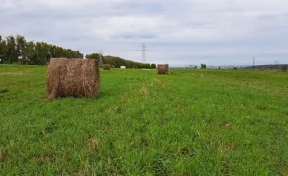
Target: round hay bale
[(162, 68), (72, 77), (106, 66)]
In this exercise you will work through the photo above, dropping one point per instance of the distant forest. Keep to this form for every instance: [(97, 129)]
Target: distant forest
[(16, 50), (115, 61)]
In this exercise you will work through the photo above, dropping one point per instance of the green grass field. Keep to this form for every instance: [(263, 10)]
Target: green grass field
[(190, 122)]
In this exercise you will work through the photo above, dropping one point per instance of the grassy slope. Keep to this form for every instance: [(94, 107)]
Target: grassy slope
[(203, 122)]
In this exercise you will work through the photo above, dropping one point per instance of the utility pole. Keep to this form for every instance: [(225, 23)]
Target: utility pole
[(143, 46)]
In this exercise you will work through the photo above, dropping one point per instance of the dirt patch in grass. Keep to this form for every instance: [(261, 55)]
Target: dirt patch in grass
[(158, 82), (93, 143), (4, 91), (227, 125), (144, 91), (44, 158), (227, 147)]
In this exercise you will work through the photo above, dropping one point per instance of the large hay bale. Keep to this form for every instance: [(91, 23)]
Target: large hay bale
[(162, 68), (72, 77), (106, 66)]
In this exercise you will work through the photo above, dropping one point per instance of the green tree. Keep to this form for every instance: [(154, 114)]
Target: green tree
[(31, 53), (42, 53), (18, 50), (11, 49), (203, 66), (21, 48), (284, 68), (96, 56), (93, 56), (153, 66), (3, 50)]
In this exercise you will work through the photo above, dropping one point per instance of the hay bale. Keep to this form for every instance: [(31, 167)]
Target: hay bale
[(106, 66), (162, 68), (72, 77), (123, 67)]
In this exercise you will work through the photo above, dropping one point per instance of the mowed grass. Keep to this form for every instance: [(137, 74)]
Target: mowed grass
[(190, 122)]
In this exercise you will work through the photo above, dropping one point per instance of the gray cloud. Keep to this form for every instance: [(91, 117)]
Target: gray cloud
[(177, 32)]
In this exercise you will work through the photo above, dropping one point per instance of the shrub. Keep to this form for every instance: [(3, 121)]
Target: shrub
[(203, 66), (153, 66), (284, 68)]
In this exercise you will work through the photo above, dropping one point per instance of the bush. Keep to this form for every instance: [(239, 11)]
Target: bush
[(203, 66), (153, 66), (284, 68)]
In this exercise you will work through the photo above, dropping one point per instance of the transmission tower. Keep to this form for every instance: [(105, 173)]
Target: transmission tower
[(144, 50), (277, 64), (100, 58)]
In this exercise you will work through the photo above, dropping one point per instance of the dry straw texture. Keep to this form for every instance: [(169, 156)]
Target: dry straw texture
[(106, 66), (72, 77), (162, 68)]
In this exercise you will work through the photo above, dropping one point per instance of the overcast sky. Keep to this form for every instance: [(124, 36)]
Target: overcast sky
[(179, 32)]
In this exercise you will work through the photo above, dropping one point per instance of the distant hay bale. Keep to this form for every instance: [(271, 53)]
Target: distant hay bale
[(123, 67), (106, 66), (162, 68), (72, 77)]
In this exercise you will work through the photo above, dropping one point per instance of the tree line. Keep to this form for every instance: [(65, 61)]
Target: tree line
[(115, 61), (17, 50)]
